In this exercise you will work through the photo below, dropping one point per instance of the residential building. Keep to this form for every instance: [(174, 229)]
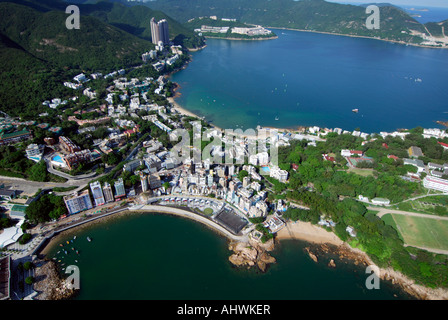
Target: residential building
[(35, 152), (154, 182), (435, 183), (119, 189), (97, 193), (416, 163), (78, 202), (415, 152), (67, 145), (144, 181), (107, 191), (159, 32), (277, 173)]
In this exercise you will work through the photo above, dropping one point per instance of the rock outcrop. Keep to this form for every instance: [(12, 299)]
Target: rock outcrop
[(251, 254), (49, 285)]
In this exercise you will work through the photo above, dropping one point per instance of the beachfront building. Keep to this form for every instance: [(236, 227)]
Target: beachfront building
[(78, 202), (154, 182), (97, 193), (5, 277), (144, 181), (108, 194), (119, 189)]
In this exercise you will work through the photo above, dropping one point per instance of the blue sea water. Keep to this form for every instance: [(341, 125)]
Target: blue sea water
[(427, 14), (307, 79)]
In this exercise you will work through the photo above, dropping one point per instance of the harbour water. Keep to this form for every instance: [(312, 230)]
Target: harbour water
[(308, 79), (155, 256)]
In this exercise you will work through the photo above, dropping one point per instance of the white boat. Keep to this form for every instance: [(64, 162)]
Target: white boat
[(88, 239), (355, 110), (276, 118)]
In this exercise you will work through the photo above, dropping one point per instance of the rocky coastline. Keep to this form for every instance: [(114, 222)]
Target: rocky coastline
[(252, 254), (346, 254), (49, 285)]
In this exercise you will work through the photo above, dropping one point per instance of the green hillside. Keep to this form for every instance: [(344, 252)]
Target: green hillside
[(95, 46), (38, 53), (439, 29), (314, 15), (136, 20)]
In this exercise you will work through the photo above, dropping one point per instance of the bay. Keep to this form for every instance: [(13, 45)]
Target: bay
[(308, 79), (162, 257)]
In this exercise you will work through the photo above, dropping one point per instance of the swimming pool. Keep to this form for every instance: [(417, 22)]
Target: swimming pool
[(57, 158), (265, 169)]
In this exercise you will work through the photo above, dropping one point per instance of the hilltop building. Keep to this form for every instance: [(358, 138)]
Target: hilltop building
[(160, 32)]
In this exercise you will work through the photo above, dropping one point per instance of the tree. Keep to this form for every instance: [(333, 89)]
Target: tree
[(29, 280), (27, 265), (242, 174)]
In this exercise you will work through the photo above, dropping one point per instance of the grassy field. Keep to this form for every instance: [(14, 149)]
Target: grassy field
[(421, 232), (361, 172)]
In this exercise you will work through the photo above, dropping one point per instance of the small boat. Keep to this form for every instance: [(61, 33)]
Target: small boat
[(276, 118), (65, 252), (88, 239), (73, 249), (68, 242), (355, 110), (61, 244), (74, 238)]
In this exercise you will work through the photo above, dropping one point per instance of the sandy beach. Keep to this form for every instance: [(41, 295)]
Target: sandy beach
[(308, 232), (313, 234)]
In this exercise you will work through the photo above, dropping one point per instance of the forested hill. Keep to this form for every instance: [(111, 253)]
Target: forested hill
[(135, 20), (44, 35), (38, 52), (313, 15)]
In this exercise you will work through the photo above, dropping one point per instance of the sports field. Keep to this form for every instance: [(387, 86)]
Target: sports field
[(419, 231)]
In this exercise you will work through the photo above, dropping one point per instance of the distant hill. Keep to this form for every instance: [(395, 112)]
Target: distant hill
[(136, 20), (438, 29), (313, 15)]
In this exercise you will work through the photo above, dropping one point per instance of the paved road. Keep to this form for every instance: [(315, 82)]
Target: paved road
[(383, 211)]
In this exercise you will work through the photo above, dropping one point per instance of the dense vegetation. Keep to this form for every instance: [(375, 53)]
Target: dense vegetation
[(46, 208), (328, 190), (316, 15), (38, 53)]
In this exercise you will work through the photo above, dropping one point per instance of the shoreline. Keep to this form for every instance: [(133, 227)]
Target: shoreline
[(243, 39), (302, 231), (363, 37), (298, 230)]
